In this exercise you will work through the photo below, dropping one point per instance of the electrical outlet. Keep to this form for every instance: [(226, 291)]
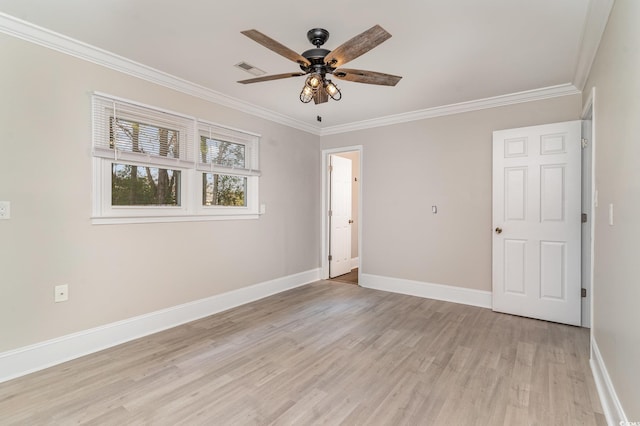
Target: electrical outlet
[(61, 293), (5, 210)]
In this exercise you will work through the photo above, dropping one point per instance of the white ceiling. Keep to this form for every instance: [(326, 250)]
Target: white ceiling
[(447, 51)]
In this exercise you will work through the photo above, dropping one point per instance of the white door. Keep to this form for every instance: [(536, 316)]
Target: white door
[(340, 216), (536, 222)]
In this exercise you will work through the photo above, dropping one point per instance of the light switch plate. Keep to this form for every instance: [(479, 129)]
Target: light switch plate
[(610, 214), (5, 210)]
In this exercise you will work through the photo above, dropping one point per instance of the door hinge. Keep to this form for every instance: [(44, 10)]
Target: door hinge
[(330, 258), (584, 142), (330, 213), (584, 218), (583, 292), (330, 168)]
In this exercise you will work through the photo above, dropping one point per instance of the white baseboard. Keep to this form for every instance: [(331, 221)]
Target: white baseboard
[(28, 359), (465, 296), (355, 262), (608, 398)]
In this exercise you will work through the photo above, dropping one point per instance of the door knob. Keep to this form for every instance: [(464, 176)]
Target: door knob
[(498, 230), (350, 221)]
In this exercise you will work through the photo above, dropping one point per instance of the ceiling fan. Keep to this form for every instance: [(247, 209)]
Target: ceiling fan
[(319, 63)]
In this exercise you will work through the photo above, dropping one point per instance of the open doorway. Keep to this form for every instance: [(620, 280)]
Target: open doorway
[(341, 205)]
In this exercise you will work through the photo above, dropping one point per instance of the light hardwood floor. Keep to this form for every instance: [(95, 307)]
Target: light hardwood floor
[(325, 353), (349, 278)]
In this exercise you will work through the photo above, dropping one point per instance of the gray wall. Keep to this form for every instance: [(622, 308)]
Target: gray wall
[(120, 271), (444, 161), (616, 314)]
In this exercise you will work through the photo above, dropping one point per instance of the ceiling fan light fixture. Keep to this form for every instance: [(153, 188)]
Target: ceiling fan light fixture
[(318, 63), (332, 90), (306, 95), (314, 81)]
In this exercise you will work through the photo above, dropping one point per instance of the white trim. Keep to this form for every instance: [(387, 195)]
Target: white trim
[(587, 108), (38, 35), (28, 359), (465, 296), (118, 220), (355, 262), (611, 405), (594, 26), (589, 113), (32, 33), (324, 223), (479, 104)]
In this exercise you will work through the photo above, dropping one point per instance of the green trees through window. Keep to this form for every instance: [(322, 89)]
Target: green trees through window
[(144, 186), (223, 189), (136, 185)]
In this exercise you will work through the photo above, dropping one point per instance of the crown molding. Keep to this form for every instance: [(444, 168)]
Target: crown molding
[(594, 26), (493, 102), (35, 34)]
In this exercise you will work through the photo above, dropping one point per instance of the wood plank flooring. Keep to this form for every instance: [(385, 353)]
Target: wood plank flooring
[(325, 353), (348, 278)]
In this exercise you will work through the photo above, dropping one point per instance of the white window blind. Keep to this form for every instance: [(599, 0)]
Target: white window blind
[(124, 131)]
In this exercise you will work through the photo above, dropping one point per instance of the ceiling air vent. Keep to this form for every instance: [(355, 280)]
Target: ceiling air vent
[(250, 68)]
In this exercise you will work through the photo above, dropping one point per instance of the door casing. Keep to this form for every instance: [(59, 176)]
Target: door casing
[(589, 113), (324, 212)]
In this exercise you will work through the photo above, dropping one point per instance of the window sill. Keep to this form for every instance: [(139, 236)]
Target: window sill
[(114, 220)]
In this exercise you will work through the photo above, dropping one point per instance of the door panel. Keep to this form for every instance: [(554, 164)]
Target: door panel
[(515, 253), (552, 195), (515, 193), (537, 207), (552, 264)]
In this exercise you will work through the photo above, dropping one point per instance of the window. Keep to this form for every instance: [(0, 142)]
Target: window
[(152, 165), (227, 162)]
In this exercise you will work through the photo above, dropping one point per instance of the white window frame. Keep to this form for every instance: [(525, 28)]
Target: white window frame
[(251, 172), (190, 208)]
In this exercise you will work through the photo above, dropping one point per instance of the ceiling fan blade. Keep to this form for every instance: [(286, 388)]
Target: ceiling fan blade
[(275, 46), (357, 46), (271, 77), (368, 77), (320, 97)]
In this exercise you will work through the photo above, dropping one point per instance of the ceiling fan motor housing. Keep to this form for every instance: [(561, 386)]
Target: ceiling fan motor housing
[(318, 36), (315, 56)]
